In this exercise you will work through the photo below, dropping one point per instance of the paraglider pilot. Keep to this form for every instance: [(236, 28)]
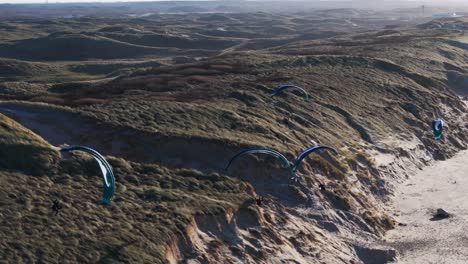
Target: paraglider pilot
[(259, 200), (322, 186), (56, 207)]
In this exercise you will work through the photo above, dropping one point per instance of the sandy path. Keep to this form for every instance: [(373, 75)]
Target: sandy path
[(423, 239)]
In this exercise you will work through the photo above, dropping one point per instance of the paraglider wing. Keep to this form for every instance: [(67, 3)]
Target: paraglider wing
[(306, 152), (287, 86), (437, 128), (106, 170), (283, 159)]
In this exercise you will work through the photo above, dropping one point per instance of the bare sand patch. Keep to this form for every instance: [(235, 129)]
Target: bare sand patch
[(422, 238)]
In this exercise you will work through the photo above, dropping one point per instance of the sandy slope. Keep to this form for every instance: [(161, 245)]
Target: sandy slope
[(423, 239)]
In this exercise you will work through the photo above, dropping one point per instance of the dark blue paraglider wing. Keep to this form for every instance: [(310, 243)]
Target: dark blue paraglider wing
[(271, 152), (287, 86), (106, 170), (308, 151), (437, 128)]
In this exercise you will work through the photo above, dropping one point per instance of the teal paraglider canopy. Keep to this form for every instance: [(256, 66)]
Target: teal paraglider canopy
[(106, 170), (290, 86), (437, 128), (284, 161), (308, 151)]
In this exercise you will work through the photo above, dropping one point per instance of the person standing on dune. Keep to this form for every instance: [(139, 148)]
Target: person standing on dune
[(56, 206)]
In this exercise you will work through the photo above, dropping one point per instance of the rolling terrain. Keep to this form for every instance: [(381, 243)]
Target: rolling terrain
[(170, 98)]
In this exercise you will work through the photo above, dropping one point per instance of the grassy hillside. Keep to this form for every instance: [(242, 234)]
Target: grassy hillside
[(59, 47), (153, 204), (169, 130)]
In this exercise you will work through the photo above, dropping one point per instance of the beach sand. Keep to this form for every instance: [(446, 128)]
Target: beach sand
[(421, 238)]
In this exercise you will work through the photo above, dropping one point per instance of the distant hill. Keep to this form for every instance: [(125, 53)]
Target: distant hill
[(11, 67), (76, 47)]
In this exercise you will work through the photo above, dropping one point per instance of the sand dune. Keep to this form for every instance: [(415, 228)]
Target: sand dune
[(423, 239)]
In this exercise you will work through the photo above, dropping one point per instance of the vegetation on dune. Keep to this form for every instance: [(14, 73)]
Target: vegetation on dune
[(21, 150), (57, 48), (112, 69), (186, 120), (152, 205), (11, 68), (37, 72)]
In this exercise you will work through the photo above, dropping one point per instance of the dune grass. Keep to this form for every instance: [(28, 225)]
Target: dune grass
[(363, 90), (151, 205)]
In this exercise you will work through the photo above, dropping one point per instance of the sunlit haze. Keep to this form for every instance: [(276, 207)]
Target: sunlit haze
[(357, 1)]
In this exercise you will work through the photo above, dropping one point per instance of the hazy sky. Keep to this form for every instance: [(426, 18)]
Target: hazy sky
[(65, 1), (75, 1), (68, 1)]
